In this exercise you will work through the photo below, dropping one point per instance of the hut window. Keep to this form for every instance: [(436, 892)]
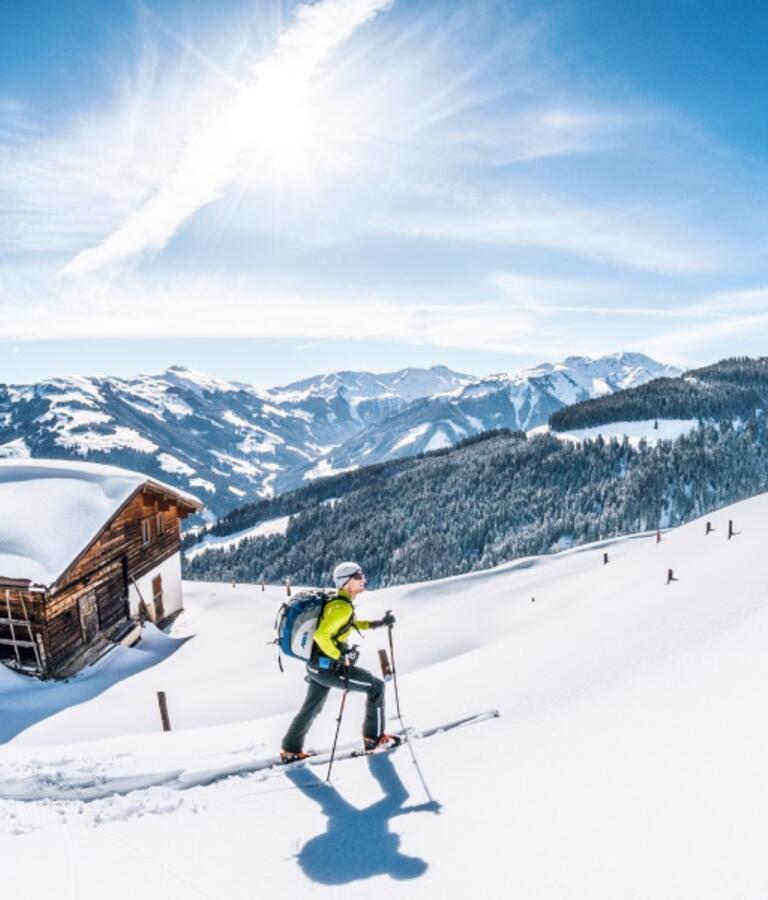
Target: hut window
[(160, 524), (146, 531)]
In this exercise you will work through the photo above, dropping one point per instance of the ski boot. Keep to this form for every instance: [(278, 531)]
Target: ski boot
[(383, 742), (291, 756)]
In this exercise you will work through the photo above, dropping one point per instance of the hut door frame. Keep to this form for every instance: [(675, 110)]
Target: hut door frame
[(157, 598), (89, 616)]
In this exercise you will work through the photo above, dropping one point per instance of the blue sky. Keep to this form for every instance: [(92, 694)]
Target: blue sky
[(267, 190)]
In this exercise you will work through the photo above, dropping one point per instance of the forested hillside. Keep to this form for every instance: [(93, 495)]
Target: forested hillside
[(491, 499), (732, 388)]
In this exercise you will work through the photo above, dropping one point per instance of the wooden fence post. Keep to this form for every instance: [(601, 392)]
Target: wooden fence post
[(731, 532), (670, 576), (163, 704), (709, 528), (605, 559), (658, 535)]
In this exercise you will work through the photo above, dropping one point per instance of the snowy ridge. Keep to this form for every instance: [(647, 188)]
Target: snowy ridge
[(405, 384), (519, 401)]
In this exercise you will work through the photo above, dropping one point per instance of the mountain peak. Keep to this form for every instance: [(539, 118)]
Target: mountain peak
[(197, 381), (407, 384), (578, 361)]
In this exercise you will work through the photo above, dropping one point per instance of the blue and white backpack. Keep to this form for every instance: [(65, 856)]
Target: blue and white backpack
[(297, 621)]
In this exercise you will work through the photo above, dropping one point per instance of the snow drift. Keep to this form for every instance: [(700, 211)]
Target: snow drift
[(628, 759)]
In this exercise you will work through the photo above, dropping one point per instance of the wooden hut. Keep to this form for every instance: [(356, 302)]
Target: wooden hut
[(86, 551)]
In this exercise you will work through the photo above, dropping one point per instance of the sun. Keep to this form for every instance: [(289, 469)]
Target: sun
[(281, 131)]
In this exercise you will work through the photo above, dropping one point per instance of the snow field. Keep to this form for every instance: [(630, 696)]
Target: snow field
[(628, 760), (649, 430), (226, 542)]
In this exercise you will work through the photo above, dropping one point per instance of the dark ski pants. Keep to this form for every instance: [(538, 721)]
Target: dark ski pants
[(320, 682)]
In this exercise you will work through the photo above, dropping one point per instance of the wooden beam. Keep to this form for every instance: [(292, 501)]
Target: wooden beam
[(22, 583), (31, 636), (29, 668), (6, 621), (13, 642)]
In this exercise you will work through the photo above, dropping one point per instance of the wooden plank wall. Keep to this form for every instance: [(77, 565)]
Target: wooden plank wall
[(101, 569)]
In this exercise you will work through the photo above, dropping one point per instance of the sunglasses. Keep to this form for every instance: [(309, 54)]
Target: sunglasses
[(357, 576)]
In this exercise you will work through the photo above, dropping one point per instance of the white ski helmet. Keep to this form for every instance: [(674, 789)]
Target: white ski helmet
[(343, 572)]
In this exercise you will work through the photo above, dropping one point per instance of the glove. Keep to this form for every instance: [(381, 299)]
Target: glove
[(388, 620), (349, 656)]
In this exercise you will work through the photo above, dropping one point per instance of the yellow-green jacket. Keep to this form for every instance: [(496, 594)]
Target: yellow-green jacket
[(336, 622)]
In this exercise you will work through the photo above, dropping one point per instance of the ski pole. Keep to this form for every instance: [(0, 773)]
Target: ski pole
[(400, 716), (338, 726)]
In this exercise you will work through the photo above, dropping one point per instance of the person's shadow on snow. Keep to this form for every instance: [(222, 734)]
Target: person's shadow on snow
[(357, 843)]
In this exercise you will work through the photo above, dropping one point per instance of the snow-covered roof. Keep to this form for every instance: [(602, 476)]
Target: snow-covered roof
[(50, 511)]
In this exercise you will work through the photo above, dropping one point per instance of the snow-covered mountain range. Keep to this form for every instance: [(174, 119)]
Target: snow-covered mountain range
[(519, 400), (231, 442), (340, 404)]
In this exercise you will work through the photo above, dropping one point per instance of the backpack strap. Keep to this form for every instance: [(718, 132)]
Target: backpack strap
[(280, 614), (350, 622)]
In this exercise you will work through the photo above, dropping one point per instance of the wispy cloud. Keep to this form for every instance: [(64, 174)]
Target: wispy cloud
[(412, 150), (580, 296), (101, 305), (513, 314), (709, 340), (262, 116), (595, 297), (736, 320), (636, 237), (532, 131), (65, 183), (131, 305), (390, 119), (733, 303), (686, 329)]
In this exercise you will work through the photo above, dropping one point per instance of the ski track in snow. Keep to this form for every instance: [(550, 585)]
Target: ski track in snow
[(84, 790)]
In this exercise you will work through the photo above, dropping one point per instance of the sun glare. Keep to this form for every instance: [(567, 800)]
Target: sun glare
[(283, 128), (279, 129)]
